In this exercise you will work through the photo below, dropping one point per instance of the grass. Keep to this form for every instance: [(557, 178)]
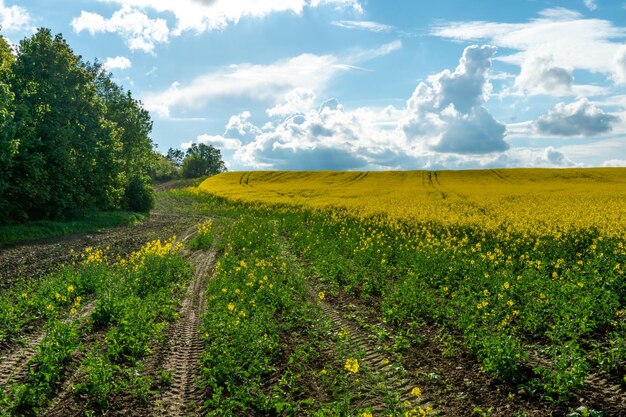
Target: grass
[(92, 222)]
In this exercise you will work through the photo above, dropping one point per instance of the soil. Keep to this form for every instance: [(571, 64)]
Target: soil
[(33, 259)]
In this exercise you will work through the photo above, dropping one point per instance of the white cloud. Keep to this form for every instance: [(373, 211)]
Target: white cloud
[(619, 65), (13, 18), (363, 24), (355, 5), (118, 62), (299, 100), (207, 15), (260, 82), (591, 4), (538, 75), (580, 118), (615, 163), (569, 39), (139, 31), (444, 121), (448, 114)]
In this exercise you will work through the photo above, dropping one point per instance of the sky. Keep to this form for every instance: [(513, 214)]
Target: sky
[(362, 84)]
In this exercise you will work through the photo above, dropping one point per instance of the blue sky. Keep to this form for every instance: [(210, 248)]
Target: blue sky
[(363, 84)]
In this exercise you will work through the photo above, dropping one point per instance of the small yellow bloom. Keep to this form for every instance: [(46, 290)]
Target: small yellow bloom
[(366, 415), (506, 285), (416, 392), (72, 311), (352, 365), (24, 295), (231, 307), (321, 295), (385, 361), (49, 307), (70, 288)]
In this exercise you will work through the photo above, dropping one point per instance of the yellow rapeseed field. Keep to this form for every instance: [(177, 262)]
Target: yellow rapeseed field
[(533, 201)]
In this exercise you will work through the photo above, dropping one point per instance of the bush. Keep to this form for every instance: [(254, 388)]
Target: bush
[(139, 195)]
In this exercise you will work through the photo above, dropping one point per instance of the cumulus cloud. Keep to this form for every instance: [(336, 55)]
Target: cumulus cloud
[(538, 75), (580, 118), (443, 121), (260, 82), (448, 114), (118, 62), (208, 15), (362, 24), (570, 40), (140, 32), (298, 100), (14, 17)]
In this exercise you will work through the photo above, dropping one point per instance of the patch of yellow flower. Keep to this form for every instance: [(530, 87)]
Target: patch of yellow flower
[(352, 365)]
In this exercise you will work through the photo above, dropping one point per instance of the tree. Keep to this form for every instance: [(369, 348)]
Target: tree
[(8, 143), (202, 160), (176, 156), (163, 168)]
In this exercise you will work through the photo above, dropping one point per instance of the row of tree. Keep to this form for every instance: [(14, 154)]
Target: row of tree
[(200, 160), (70, 137)]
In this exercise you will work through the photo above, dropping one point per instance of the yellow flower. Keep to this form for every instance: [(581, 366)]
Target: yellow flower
[(49, 307), (321, 295), (352, 365), (366, 414), (385, 361), (323, 371), (416, 392), (506, 285), (24, 295), (231, 307), (72, 311), (70, 288)]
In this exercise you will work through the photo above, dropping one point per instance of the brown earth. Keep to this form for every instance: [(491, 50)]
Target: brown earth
[(34, 259)]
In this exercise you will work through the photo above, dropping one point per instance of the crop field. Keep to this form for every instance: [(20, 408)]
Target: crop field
[(471, 293)]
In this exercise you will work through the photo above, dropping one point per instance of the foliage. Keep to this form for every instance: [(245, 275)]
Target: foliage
[(70, 138), (202, 160), (139, 195), (134, 298)]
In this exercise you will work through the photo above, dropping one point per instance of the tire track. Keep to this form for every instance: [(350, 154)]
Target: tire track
[(373, 360), (14, 364), (185, 348)]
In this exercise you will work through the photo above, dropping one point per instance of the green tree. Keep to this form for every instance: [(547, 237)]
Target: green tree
[(202, 160), (163, 168), (8, 143), (66, 142), (176, 156)]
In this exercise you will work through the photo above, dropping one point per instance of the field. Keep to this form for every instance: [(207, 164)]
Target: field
[(476, 293)]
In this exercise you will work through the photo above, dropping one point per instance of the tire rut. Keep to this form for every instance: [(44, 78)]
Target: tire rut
[(14, 363), (185, 348), (372, 358)]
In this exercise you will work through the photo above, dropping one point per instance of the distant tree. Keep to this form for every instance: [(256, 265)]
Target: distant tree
[(202, 160), (163, 168), (176, 156)]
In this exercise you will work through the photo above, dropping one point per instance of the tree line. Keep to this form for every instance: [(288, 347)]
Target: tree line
[(71, 138), (199, 160)]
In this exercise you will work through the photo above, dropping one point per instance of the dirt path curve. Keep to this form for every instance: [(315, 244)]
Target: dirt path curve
[(184, 348), (33, 259)]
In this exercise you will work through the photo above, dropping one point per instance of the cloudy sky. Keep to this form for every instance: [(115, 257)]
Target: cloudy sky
[(363, 84)]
